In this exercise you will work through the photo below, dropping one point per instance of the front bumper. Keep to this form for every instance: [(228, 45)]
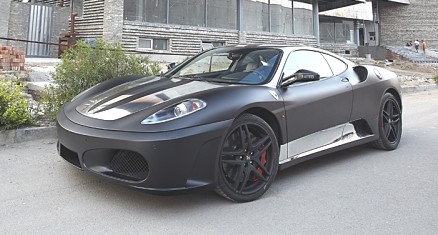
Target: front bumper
[(161, 162)]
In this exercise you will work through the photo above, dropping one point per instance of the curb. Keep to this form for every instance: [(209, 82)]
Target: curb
[(27, 134), (34, 133)]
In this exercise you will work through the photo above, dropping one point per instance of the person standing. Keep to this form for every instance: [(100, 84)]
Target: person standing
[(416, 45), (423, 45)]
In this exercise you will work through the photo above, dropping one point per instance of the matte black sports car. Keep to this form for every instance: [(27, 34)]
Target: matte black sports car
[(228, 119)]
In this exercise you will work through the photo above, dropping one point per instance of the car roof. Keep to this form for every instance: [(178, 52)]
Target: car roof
[(289, 48), (278, 46)]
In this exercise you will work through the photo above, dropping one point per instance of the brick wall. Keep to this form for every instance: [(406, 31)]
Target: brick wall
[(18, 24), (345, 50), (182, 39), (90, 24), (61, 16), (4, 19), (187, 40), (48, 2), (267, 38), (403, 23)]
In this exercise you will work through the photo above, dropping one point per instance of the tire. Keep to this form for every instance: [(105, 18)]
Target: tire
[(390, 123), (247, 166)]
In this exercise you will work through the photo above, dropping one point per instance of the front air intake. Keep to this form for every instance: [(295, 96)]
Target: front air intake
[(69, 155), (129, 165)]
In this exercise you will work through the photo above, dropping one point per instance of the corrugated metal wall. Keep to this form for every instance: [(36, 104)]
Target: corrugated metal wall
[(40, 27)]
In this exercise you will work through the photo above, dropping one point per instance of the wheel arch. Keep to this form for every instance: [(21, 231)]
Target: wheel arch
[(396, 95), (270, 119)]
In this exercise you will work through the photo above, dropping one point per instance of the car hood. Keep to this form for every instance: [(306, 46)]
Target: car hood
[(122, 104), (138, 95)]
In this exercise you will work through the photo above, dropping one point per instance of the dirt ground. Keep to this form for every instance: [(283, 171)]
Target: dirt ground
[(409, 74)]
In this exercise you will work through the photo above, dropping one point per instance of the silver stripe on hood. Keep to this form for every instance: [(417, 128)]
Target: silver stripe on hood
[(125, 107)]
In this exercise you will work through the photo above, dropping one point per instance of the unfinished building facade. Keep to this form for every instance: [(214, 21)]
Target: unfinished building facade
[(173, 29)]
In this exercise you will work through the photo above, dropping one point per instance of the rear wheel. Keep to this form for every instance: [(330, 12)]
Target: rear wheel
[(249, 159), (390, 123)]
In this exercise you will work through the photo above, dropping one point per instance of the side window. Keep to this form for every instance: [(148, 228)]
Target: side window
[(309, 60), (337, 65)]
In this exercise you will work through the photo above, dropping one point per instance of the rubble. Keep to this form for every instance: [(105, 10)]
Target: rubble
[(411, 75), (409, 53), (11, 59)]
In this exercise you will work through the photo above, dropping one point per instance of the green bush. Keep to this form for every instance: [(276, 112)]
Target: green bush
[(435, 78), (82, 67), (13, 105)]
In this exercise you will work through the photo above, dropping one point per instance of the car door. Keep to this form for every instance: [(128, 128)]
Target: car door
[(317, 111)]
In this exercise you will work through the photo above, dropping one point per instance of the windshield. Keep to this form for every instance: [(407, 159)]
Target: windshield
[(232, 65)]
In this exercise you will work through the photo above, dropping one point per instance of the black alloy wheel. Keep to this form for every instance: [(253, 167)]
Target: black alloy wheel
[(390, 123), (249, 159)]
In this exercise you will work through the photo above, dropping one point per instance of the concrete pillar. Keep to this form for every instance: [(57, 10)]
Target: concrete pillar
[(356, 32), (242, 34), (376, 19), (113, 20), (315, 17), (242, 37), (239, 15)]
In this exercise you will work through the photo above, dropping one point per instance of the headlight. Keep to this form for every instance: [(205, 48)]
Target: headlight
[(182, 109)]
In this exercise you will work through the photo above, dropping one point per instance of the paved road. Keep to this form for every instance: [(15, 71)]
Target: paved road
[(361, 190)]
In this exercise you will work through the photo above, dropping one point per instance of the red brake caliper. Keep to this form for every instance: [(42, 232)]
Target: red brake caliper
[(259, 169)]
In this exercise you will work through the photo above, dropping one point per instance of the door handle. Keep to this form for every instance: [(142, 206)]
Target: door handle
[(345, 80)]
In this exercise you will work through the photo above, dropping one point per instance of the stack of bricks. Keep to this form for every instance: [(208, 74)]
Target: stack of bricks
[(11, 59)]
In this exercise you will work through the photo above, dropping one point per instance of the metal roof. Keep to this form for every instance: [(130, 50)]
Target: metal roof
[(399, 1), (325, 5)]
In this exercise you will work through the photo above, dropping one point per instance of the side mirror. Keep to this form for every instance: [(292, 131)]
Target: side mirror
[(301, 75), (233, 56), (171, 66)]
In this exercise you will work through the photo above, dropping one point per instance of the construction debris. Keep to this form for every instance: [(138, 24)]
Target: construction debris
[(11, 59)]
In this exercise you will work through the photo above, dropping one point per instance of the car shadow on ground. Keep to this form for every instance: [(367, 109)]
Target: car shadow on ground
[(113, 193), (325, 161)]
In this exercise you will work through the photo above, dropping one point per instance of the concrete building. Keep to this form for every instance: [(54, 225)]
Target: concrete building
[(171, 30), (402, 21)]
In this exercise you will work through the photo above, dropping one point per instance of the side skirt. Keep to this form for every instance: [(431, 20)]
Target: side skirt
[(353, 135), (312, 154)]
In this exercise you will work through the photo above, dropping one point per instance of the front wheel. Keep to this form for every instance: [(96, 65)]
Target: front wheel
[(390, 123), (248, 161)]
